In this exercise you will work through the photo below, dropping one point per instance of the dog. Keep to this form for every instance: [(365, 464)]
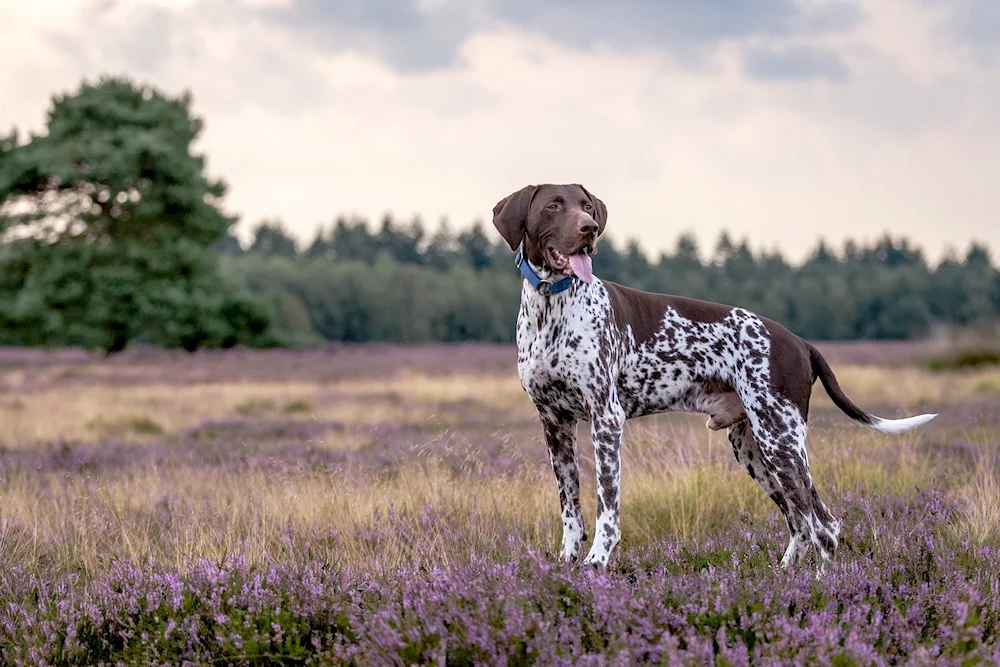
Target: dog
[(590, 350)]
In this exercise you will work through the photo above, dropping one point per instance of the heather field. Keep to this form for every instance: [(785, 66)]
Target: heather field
[(381, 505)]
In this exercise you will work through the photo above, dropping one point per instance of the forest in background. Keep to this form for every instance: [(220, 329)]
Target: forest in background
[(112, 234), (396, 282)]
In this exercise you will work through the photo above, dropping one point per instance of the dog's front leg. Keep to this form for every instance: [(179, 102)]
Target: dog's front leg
[(560, 438), (607, 432)]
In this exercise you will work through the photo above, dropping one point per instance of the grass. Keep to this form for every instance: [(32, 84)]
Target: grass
[(980, 519), (965, 359), (110, 465), (297, 407), (126, 424), (55, 412), (255, 407), (680, 479)]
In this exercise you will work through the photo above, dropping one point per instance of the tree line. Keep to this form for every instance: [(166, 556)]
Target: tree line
[(394, 281), (111, 234)]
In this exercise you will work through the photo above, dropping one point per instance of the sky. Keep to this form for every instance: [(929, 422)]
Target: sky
[(780, 121)]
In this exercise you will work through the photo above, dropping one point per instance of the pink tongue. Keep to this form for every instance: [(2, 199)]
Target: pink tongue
[(583, 267)]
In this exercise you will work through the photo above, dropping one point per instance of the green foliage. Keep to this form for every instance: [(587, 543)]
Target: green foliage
[(348, 300), (255, 407), (110, 233), (297, 407), (107, 223), (271, 238), (394, 284), (140, 424), (967, 359)]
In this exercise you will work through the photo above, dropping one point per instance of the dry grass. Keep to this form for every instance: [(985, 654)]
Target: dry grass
[(980, 520), (679, 479), (70, 414), (85, 521), (909, 386)]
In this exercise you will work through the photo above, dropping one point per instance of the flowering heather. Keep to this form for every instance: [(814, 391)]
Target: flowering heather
[(906, 591), (383, 505)]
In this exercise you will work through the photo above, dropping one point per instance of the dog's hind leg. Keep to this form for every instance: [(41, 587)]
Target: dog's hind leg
[(560, 438), (780, 467)]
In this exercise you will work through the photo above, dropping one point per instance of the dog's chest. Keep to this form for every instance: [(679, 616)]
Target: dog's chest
[(558, 347)]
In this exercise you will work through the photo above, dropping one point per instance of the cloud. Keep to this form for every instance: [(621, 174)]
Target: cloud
[(408, 36), (416, 36), (249, 62), (830, 16), (635, 22), (801, 62), (975, 25), (340, 109)]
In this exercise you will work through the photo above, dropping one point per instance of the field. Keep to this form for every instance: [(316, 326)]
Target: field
[(394, 505)]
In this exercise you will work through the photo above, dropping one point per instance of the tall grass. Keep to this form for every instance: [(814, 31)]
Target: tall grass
[(685, 484), (679, 479)]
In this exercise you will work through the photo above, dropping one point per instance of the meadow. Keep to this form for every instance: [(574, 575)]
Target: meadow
[(385, 504)]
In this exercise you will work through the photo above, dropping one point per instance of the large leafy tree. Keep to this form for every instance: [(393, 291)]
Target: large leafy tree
[(107, 221)]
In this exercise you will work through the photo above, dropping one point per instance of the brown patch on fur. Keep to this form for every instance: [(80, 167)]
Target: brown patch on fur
[(644, 311), (791, 368)]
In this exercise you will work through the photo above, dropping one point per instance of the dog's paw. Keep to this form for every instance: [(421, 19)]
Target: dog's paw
[(568, 558), (595, 561)]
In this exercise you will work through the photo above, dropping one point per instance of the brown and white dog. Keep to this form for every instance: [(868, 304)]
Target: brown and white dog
[(605, 353)]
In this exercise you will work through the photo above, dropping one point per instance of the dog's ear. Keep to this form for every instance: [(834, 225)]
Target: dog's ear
[(600, 211), (510, 215)]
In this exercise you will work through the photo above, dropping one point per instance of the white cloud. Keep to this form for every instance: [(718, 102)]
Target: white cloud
[(906, 144)]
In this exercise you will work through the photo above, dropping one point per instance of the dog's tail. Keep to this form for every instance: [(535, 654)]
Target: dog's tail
[(822, 370)]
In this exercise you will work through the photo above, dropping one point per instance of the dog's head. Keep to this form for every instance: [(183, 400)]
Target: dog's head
[(558, 224)]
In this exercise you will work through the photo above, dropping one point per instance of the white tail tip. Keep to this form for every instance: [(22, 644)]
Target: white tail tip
[(893, 426)]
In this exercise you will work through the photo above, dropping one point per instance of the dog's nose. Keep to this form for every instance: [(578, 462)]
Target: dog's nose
[(588, 225)]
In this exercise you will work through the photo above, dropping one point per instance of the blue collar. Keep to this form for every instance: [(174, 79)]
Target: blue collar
[(544, 287)]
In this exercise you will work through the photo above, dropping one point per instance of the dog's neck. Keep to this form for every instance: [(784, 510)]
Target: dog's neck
[(545, 281), (550, 307)]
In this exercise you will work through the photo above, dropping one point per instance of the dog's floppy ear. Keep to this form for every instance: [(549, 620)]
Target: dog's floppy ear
[(600, 211), (510, 215)]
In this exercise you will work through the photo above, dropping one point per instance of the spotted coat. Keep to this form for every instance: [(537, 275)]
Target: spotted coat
[(605, 353), (581, 358)]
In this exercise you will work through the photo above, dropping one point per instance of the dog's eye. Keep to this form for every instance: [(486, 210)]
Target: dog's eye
[(553, 206), (588, 207)]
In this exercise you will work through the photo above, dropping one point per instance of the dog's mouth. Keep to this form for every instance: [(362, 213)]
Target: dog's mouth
[(578, 264)]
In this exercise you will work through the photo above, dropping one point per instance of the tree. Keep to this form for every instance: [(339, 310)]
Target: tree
[(107, 222), (350, 239), (463, 287), (476, 248), (271, 238), (442, 247), (402, 243), (687, 254), (724, 248), (227, 244)]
